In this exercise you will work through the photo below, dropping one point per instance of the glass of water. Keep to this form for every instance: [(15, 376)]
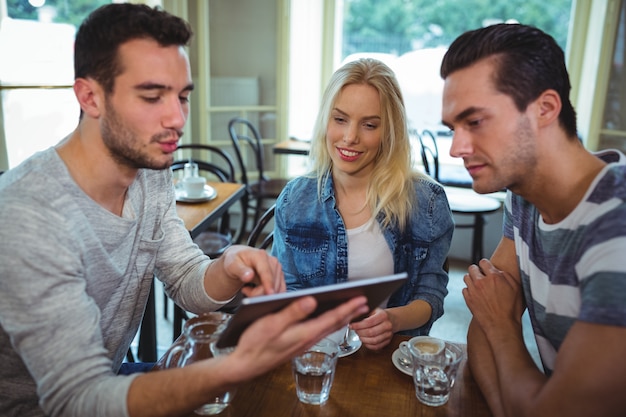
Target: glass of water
[(434, 375), (314, 371)]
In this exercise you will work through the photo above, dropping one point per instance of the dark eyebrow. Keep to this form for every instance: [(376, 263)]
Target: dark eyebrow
[(463, 115), (155, 86)]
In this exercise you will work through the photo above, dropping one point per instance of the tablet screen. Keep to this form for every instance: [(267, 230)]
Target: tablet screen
[(328, 297)]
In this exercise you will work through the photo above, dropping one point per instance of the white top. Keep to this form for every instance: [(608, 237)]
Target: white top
[(369, 255)]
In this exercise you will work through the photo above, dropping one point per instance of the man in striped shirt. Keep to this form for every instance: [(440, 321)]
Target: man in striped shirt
[(563, 251)]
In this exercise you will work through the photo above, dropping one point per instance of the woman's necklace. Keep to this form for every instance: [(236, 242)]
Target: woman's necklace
[(346, 212), (346, 203)]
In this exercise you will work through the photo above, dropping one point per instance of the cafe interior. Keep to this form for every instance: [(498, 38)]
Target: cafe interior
[(259, 68)]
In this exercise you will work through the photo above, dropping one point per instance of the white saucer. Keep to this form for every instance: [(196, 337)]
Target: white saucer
[(208, 194), (355, 342), (395, 359)]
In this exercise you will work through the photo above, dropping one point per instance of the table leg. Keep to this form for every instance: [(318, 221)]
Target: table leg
[(147, 350)]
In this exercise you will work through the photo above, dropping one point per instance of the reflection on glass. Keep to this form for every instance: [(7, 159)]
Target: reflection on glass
[(35, 119), (28, 46), (615, 108)]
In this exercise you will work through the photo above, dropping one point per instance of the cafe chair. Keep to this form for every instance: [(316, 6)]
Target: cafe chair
[(260, 188), (463, 202), (261, 230), (451, 175), (218, 166)]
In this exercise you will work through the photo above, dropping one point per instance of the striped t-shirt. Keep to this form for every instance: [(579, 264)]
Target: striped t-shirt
[(575, 269)]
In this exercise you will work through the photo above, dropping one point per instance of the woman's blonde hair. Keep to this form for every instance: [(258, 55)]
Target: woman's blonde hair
[(391, 189)]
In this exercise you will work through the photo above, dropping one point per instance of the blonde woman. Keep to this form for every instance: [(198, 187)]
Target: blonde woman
[(363, 211)]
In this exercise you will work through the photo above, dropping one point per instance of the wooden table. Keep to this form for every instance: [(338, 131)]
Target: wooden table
[(292, 147), (366, 384), (199, 216)]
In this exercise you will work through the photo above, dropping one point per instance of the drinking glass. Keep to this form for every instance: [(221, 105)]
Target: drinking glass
[(314, 371), (190, 169), (434, 374)]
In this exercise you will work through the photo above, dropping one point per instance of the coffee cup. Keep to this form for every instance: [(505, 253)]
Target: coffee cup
[(425, 346), (194, 186)]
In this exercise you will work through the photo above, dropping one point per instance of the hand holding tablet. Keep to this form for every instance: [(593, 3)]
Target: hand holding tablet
[(328, 297)]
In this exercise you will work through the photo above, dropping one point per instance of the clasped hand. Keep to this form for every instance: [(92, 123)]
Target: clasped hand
[(494, 297)]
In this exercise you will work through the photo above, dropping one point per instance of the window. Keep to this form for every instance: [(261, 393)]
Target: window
[(411, 36), (37, 107)]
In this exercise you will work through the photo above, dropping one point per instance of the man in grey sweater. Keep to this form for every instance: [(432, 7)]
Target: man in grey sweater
[(89, 222)]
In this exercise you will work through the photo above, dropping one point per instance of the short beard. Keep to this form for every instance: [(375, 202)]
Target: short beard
[(120, 142), (523, 158), (514, 167)]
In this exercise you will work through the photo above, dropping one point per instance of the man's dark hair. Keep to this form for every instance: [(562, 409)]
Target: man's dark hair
[(106, 28), (527, 63)]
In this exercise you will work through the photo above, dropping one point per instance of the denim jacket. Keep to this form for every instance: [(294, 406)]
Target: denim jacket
[(310, 241)]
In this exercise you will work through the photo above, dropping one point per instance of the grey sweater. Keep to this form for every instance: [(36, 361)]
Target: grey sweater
[(74, 280)]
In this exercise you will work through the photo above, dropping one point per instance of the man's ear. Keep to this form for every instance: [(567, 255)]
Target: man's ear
[(548, 107), (90, 96)]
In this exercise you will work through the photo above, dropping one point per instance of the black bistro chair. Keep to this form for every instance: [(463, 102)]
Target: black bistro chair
[(262, 235), (215, 165), (261, 188)]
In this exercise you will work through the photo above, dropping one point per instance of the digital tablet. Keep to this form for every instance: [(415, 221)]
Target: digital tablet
[(328, 297)]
